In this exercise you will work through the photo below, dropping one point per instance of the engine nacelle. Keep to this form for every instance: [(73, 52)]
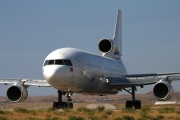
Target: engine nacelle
[(163, 90), (106, 46), (17, 93)]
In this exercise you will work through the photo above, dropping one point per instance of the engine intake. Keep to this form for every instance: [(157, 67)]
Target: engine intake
[(105, 45), (17, 93), (163, 91)]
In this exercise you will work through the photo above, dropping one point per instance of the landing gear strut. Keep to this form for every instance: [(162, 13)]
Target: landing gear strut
[(59, 104), (133, 102)]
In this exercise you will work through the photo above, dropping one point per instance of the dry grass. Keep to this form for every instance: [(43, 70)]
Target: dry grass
[(83, 113)]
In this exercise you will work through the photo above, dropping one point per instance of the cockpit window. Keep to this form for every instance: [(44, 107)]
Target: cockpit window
[(46, 63), (50, 62), (58, 62), (69, 62), (65, 62)]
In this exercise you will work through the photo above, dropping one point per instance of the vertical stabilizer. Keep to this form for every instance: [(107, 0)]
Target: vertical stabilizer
[(118, 32), (113, 48)]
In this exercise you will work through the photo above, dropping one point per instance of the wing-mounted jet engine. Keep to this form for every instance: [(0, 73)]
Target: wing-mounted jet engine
[(163, 90), (17, 93)]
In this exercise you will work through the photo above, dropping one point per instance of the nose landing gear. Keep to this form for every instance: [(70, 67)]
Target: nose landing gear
[(59, 104)]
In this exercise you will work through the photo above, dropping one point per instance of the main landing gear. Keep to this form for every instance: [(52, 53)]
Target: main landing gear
[(59, 104), (133, 102)]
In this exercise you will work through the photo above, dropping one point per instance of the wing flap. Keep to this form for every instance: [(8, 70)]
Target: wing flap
[(118, 81)]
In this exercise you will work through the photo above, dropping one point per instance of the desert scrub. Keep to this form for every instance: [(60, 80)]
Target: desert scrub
[(32, 118), (33, 112), (94, 118), (51, 109), (83, 109), (2, 112), (108, 112), (100, 108), (118, 118), (145, 108), (144, 113), (128, 110), (59, 113), (21, 110), (86, 110), (166, 110), (67, 110), (3, 118), (128, 117), (52, 118), (159, 117), (24, 110), (75, 118)]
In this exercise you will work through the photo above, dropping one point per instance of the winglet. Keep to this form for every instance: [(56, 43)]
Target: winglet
[(118, 32)]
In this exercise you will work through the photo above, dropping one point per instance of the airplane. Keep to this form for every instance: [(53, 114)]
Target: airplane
[(71, 70)]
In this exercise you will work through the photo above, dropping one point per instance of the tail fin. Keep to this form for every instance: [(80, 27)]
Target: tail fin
[(113, 48), (118, 32)]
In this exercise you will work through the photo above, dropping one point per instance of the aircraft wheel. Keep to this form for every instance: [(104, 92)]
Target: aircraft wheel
[(128, 104), (64, 105), (56, 105), (70, 105), (137, 104)]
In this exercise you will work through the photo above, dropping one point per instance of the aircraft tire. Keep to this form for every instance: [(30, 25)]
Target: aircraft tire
[(137, 104), (128, 104), (56, 105), (70, 105), (64, 105)]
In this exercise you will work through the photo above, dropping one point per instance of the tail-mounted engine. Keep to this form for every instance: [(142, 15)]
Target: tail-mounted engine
[(17, 93), (109, 48), (106, 46), (163, 90)]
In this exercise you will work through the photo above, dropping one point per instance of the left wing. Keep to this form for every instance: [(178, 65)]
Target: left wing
[(152, 74), (141, 79), (26, 82), (162, 89)]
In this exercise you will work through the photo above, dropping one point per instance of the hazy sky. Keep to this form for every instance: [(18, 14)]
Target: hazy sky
[(30, 30)]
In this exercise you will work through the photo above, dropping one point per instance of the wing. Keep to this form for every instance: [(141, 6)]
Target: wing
[(141, 79), (151, 74), (26, 82)]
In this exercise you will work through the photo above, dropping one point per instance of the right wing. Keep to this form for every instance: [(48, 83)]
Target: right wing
[(18, 91)]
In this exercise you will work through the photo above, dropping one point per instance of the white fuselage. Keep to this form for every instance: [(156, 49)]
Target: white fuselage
[(86, 74)]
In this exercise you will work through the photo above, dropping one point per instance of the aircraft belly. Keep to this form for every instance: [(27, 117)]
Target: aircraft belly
[(85, 84), (61, 84), (91, 83)]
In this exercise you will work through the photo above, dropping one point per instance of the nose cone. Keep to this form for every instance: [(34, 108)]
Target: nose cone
[(54, 74)]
